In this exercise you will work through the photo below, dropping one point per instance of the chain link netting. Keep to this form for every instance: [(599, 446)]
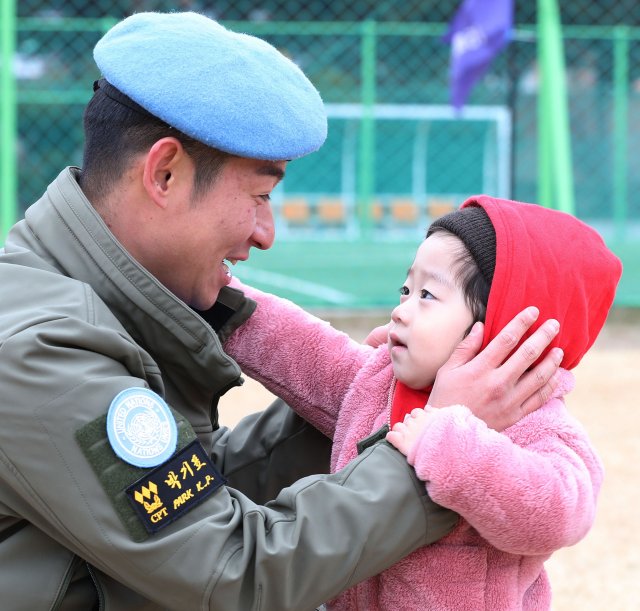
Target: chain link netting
[(413, 158)]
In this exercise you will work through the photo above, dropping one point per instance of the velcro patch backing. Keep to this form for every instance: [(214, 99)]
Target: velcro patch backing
[(114, 474)]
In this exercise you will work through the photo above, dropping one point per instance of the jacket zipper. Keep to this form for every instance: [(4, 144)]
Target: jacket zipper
[(392, 389), (62, 588), (98, 587)]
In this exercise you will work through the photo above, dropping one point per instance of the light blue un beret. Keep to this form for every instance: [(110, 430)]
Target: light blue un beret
[(231, 91)]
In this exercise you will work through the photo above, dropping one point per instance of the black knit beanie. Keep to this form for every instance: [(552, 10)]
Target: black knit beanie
[(473, 226)]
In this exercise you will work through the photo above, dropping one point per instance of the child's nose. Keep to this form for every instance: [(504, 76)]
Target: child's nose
[(399, 313)]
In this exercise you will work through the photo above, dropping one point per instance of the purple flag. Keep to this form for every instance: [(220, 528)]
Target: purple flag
[(478, 32)]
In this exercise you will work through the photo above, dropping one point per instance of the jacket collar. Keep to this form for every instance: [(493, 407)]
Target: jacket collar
[(64, 229)]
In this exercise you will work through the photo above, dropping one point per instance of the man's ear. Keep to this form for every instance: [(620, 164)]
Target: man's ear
[(162, 162)]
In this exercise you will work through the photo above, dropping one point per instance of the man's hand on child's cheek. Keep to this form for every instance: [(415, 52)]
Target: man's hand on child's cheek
[(497, 391)]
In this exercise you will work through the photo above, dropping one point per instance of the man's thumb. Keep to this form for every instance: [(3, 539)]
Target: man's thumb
[(467, 348)]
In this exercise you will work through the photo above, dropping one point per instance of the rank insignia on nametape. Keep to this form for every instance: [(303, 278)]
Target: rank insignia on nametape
[(141, 428), (175, 487)]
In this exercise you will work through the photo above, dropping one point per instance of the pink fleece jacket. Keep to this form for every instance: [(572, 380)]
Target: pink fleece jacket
[(521, 494)]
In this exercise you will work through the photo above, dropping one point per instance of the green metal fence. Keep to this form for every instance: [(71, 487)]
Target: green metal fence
[(350, 215)]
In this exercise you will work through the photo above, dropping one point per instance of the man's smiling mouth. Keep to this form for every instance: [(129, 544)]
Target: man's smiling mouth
[(226, 267)]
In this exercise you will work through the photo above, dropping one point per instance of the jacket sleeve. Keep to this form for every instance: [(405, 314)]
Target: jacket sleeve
[(318, 537), (530, 492), (297, 357), (270, 450)]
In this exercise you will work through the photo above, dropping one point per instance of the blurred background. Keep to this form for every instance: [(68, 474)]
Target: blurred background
[(398, 154)]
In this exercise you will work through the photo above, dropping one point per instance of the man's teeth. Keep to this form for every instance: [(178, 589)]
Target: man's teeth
[(227, 270)]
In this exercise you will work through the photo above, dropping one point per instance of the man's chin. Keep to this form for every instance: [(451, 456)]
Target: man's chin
[(203, 303)]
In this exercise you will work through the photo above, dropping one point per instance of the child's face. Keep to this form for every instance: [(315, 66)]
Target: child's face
[(432, 317)]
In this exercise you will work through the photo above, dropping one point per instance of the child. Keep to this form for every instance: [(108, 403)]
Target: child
[(521, 494)]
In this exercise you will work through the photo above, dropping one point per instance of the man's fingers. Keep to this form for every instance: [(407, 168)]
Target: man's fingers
[(500, 385), (467, 348), (536, 387), (503, 344), (531, 349)]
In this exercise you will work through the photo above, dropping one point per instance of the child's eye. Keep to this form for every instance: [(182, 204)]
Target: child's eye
[(425, 294), (404, 290)]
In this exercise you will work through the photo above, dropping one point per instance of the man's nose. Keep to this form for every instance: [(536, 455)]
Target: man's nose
[(265, 232)]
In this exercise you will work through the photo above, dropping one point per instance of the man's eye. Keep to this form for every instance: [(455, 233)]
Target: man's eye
[(266, 197), (404, 290)]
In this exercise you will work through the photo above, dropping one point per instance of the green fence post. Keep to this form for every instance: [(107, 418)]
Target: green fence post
[(552, 71), (8, 118), (620, 129), (367, 156), (545, 151)]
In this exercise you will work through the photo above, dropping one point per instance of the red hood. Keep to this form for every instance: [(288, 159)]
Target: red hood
[(555, 262)]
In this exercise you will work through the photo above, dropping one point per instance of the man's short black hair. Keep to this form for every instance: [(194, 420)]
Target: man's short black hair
[(115, 133)]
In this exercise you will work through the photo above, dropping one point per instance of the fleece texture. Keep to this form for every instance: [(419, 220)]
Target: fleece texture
[(522, 493)]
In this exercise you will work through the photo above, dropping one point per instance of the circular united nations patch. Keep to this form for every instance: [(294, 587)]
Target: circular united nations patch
[(141, 428)]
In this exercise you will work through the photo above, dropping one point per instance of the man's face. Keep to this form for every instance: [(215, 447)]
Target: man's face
[(224, 224)]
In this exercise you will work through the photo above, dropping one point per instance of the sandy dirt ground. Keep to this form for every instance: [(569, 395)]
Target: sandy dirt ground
[(602, 572)]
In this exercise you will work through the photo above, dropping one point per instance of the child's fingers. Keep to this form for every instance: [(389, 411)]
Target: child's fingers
[(398, 441)]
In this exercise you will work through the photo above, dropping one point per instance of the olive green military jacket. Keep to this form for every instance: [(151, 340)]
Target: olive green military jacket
[(81, 321)]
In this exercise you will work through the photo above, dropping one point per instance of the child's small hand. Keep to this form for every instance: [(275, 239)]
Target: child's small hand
[(404, 435)]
